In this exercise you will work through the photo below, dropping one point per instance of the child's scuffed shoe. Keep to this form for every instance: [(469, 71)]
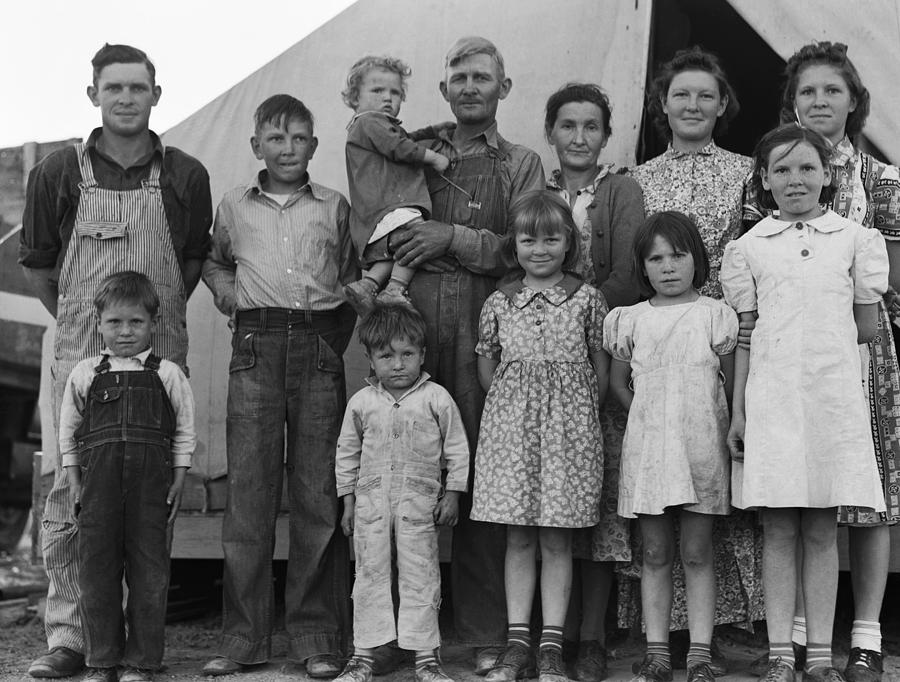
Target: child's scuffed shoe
[(361, 295)]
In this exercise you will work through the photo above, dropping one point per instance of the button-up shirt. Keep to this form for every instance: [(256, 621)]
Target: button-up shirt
[(417, 434), (267, 255), (173, 379)]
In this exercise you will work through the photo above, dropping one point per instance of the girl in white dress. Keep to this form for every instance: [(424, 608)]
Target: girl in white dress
[(800, 435), (668, 353)]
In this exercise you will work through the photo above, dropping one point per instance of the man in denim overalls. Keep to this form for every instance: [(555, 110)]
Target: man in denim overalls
[(460, 255), (120, 201)]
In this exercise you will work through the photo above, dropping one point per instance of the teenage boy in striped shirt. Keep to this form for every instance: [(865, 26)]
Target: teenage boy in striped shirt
[(280, 258)]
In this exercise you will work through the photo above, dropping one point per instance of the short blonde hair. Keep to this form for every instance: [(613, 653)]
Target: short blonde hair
[(350, 94)]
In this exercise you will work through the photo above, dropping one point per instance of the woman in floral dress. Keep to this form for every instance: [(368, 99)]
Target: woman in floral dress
[(690, 103)]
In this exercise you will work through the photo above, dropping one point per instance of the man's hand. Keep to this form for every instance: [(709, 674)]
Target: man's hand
[(415, 246), (447, 511), (173, 497), (73, 473), (347, 520)]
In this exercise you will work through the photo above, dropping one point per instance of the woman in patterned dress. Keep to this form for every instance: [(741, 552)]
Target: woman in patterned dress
[(607, 208), (825, 92), (691, 102)]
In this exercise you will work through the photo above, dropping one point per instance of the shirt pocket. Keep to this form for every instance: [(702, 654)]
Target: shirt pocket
[(101, 229), (426, 440)]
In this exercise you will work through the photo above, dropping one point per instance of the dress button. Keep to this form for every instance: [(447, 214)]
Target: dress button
[(396, 435), (804, 253), (99, 235), (538, 322), (799, 226)]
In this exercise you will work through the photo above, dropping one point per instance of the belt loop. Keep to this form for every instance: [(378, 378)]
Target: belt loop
[(262, 319), (308, 317)]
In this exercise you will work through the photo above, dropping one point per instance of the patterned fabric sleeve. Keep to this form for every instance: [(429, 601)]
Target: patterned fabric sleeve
[(593, 327), (489, 328), (724, 327), (870, 267), (884, 199), (738, 285), (618, 333)]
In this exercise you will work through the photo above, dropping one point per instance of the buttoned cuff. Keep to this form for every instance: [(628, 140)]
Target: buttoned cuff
[(181, 461), (346, 490), (456, 486), (70, 460), (464, 243)]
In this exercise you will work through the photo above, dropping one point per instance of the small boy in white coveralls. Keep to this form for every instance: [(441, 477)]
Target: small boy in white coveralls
[(397, 434)]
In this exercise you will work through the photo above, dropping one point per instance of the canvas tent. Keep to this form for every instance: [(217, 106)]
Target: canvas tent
[(610, 42)]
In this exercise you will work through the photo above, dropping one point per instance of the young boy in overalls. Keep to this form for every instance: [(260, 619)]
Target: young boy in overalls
[(126, 436)]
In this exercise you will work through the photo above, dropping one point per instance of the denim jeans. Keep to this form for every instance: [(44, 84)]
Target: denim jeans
[(396, 511), (286, 388)]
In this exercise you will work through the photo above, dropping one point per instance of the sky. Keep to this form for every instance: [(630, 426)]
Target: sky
[(200, 49)]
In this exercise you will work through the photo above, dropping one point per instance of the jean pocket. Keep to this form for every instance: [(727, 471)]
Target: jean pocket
[(326, 359), (58, 543), (105, 407), (145, 407), (243, 351)]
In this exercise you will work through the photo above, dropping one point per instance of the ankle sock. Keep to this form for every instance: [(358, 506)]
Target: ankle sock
[(427, 657), (660, 651), (551, 638), (698, 653), (395, 284), (798, 633), (366, 656), (782, 650), (818, 655), (519, 633), (866, 634)]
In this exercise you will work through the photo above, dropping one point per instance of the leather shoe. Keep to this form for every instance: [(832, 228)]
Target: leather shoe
[(60, 661), (389, 657), (100, 675), (864, 665), (515, 663), (222, 666), (324, 666), (486, 658), (591, 665)]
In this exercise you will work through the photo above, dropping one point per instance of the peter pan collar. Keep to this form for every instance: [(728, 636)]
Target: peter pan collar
[(825, 223), (520, 295)]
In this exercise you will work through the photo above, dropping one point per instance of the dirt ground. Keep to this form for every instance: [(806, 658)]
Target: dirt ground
[(192, 641)]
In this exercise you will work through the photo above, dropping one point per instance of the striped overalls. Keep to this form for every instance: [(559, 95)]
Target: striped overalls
[(114, 231)]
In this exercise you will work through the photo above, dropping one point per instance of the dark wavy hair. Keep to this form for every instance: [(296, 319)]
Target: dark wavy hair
[(788, 134), (682, 233), (691, 59), (121, 54), (279, 110), (542, 212), (827, 54), (577, 92)]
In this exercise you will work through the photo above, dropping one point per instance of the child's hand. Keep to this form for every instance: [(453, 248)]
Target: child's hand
[(745, 330), (347, 520), (444, 126), (440, 162), (447, 511), (173, 497), (735, 438)]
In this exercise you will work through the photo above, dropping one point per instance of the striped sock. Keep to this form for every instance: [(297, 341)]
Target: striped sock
[(519, 633), (866, 634), (551, 638), (660, 651), (698, 653), (782, 650), (818, 655), (426, 657), (366, 656), (798, 633)]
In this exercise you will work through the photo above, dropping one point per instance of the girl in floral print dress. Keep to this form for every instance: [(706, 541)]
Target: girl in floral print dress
[(539, 464)]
